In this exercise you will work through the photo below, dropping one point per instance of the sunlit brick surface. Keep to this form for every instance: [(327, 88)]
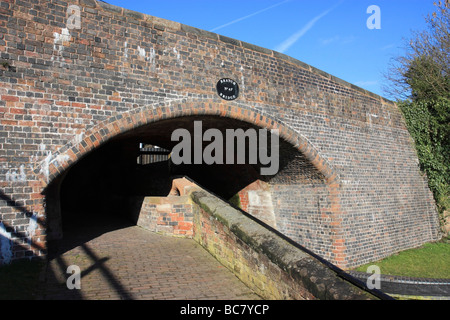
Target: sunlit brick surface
[(132, 263)]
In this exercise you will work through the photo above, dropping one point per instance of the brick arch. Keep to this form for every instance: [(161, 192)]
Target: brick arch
[(69, 154)]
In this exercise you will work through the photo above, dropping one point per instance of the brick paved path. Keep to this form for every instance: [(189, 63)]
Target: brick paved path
[(127, 262)]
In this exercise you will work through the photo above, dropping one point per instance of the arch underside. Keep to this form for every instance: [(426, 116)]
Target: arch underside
[(120, 124)]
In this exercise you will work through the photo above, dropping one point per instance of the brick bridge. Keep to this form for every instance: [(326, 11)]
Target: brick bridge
[(79, 101)]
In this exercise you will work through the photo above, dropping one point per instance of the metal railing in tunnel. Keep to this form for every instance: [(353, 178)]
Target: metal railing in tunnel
[(150, 154)]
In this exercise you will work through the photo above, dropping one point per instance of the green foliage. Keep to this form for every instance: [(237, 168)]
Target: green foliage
[(427, 79), (422, 75), (423, 71), (428, 121)]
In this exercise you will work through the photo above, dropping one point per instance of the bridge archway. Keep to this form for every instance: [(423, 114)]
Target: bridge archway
[(304, 174)]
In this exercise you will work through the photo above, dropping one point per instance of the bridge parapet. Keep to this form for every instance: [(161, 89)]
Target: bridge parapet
[(263, 259)]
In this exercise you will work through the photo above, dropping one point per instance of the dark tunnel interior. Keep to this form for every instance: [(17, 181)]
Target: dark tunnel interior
[(109, 181)]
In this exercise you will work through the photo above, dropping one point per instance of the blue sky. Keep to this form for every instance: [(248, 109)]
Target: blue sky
[(331, 35)]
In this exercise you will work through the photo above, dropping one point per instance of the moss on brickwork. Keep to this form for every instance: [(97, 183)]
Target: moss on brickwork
[(244, 236), (235, 200), (209, 206)]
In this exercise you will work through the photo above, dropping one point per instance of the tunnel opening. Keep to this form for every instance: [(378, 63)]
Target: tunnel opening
[(105, 189)]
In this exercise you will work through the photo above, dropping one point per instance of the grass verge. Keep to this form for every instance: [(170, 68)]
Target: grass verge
[(432, 260)]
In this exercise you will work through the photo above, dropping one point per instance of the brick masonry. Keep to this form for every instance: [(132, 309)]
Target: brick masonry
[(256, 199), (268, 264), (352, 192), (169, 216)]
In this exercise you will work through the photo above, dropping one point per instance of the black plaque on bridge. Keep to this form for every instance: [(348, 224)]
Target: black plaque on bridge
[(227, 89)]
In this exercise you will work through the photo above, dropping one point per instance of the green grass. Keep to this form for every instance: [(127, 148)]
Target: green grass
[(432, 260), (20, 280)]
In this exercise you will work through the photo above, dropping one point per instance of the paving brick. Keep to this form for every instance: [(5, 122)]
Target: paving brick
[(149, 267)]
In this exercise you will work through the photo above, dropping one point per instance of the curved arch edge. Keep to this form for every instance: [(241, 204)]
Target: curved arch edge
[(55, 164)]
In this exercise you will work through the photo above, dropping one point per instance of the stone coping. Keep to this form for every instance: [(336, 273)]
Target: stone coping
[(323, 279)]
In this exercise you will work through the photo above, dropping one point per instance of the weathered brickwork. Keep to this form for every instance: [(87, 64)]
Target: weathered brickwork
[(170, 216), (354, 195), (268, 264), (262, 259), (256, 199)]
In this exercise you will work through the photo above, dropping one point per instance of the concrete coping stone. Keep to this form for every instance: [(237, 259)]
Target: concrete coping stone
[(107, 6), (173, 200), (248, 230), (320, 279), (199, 32)]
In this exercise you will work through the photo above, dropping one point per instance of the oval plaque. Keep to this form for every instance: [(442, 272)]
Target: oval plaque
[(227, 89)]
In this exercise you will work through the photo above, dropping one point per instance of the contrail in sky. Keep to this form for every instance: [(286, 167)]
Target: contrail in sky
[(285, 45), (248, 16)]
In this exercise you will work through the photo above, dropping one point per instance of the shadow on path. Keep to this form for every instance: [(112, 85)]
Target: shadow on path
[(121, 261)]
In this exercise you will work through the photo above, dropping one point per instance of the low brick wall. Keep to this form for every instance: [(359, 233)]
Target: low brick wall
[(265, 261), (170, 215)]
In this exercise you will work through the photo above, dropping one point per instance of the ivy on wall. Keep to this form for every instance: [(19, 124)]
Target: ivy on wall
[(428, 122)]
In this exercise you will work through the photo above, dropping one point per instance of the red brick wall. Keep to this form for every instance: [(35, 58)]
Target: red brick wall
[(264, 261), (256, 199), (66, 92), (167, 215)]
